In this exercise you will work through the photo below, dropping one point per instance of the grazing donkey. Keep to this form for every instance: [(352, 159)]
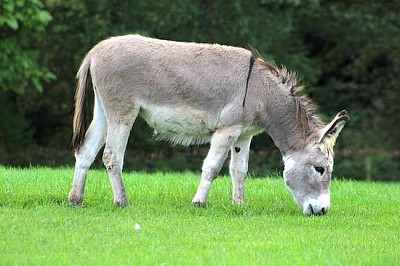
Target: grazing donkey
[(196, 93)]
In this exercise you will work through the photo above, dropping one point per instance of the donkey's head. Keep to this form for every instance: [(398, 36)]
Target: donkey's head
[(308, 171)]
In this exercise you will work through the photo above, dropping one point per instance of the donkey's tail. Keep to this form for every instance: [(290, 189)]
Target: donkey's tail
[(80, 123)]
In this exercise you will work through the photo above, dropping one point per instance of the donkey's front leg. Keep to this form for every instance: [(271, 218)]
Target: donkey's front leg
[(238, 168), (221, 141)]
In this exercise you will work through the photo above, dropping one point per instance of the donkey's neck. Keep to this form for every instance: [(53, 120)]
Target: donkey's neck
[(285, 115), (280, 120)]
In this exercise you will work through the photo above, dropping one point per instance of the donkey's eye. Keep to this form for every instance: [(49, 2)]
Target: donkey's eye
[(320, 170)]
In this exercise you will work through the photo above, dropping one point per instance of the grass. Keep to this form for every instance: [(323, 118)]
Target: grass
[(38, 227)]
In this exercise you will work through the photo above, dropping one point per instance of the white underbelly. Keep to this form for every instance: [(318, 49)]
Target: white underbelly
[(179, 125)]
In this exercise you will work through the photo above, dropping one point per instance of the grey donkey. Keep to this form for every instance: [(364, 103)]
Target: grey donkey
[(192, 93)]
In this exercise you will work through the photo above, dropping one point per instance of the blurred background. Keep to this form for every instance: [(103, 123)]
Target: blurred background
[(347, 51)]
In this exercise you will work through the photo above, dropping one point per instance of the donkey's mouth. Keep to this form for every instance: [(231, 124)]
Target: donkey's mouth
[(310, 211)]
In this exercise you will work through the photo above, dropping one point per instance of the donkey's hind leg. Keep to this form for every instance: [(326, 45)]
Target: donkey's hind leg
[(221, 142), (113, 156), (238, 167), (94, 140)]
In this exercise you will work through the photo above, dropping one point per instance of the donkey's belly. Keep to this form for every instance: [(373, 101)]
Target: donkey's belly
[(179, 125)]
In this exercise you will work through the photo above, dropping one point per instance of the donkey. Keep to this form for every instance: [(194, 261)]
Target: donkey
[(192, 93)]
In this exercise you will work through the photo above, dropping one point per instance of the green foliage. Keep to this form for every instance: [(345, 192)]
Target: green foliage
[(356, 47), (39, 227), (22, 23), (29, 13), (370, 166)]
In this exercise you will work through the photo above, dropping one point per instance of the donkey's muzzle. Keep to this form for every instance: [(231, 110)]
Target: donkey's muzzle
[(317, 206)]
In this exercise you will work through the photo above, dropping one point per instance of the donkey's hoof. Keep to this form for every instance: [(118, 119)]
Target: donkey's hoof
[(199, 204), (239, 202), (76, 202), (121, 203), (74, 199)]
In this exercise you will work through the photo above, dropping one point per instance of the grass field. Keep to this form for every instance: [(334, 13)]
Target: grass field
[(38, 227)]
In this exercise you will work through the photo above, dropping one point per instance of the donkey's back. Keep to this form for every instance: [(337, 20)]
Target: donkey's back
[(168, 72)]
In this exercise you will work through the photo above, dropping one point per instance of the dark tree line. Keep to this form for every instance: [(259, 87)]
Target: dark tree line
[(346, 51)]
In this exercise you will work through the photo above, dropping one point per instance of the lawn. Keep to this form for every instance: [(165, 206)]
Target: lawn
[(38, 227)]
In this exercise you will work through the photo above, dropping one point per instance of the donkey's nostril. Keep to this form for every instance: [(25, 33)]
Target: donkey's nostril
[(322, 211), (311, 208)]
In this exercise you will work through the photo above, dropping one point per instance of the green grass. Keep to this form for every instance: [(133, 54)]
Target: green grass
[(38, 227)]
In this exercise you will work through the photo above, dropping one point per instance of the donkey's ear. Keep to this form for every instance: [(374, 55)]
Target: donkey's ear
[(328, 135)]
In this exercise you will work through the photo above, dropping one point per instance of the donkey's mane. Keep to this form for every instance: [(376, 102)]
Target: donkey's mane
[(307, 120)]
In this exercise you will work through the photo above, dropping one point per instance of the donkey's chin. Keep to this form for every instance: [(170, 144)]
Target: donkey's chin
[(317, 206)]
